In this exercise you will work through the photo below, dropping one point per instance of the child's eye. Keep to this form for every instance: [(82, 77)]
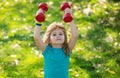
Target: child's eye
[(54, 34), (60, 34)]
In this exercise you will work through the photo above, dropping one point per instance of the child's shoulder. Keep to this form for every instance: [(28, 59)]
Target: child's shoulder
[(47, 47)]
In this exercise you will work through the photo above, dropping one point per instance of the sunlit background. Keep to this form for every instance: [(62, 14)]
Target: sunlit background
[(96, 54)]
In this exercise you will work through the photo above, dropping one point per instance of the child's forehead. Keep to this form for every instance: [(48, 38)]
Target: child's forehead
[(57, 30)]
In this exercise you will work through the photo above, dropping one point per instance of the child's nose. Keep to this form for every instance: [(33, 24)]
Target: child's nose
[(58, 36)]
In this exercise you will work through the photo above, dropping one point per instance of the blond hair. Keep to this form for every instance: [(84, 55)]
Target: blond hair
[(50, 29)]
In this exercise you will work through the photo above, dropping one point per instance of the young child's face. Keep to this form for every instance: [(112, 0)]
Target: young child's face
[(57, 37)]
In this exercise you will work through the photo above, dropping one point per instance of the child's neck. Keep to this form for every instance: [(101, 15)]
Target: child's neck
[(57, 46)]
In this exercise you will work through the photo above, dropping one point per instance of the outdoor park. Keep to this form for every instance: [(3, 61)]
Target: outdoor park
[(95, 55)]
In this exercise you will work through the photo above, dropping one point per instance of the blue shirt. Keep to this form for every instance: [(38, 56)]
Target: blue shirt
[(56, 63)]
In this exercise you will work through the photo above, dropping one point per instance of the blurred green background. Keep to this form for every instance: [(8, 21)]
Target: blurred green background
[(96, 54)]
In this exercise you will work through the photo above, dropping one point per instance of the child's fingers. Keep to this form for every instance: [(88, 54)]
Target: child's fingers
[(68, 10), (39, 11)]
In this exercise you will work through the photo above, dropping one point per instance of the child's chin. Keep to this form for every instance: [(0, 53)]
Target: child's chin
[(59, 43)]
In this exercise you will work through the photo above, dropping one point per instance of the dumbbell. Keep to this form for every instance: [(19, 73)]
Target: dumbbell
[(40, 16), (67, 17)]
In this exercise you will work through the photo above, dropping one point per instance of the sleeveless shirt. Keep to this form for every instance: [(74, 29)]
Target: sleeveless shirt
[(56, 63)]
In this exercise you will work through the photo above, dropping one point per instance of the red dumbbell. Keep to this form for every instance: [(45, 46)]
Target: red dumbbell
[(40, 16), (67, 16)]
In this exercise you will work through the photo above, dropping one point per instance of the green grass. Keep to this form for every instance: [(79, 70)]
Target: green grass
[(96, 54)]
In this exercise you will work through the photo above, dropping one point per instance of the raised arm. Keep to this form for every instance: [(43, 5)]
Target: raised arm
[(74, 35), (38, 39), (74, 32), (40, 17)]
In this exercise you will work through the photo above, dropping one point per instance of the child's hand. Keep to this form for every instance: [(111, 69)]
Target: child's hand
[(39, 11), (68, 10)]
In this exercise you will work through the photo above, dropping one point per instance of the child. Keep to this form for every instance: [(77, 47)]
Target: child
[(56, 49)]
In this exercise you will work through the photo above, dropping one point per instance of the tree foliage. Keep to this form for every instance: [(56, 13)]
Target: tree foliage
[(96, 54)]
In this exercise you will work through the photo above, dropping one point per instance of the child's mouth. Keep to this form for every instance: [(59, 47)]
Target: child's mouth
[(58, 39)]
